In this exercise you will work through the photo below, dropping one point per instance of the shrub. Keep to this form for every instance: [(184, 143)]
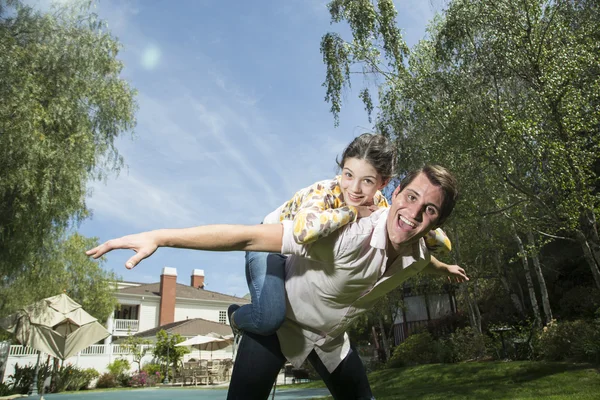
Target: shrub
[(120, 370), (570, 340), (119, 367), (419, 348), (22, 379), (144, 379), (464, 344), (69, 377), (155, 370), (106, 380)]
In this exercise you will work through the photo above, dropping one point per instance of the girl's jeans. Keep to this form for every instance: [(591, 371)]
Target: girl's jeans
[(265, 274)]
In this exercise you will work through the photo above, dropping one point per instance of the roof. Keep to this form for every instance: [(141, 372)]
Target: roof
[(182, 292), (189, 327)]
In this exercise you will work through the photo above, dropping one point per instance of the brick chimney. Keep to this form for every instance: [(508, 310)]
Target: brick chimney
[(168, 284), (197, 279)]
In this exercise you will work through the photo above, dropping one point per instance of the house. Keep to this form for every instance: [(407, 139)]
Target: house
[(423, 310), (146, 307)]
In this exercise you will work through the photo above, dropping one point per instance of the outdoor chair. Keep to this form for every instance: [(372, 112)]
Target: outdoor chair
[(202, 376)]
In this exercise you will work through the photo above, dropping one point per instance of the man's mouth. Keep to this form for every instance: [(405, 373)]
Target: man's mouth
[(406, 221)]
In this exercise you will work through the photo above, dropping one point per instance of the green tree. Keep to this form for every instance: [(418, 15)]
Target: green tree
[(503, 93), (63, 105), (138, 347), (165, 348), (64, 267)]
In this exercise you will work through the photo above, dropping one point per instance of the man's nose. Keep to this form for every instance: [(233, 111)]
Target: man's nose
[(415, 211)]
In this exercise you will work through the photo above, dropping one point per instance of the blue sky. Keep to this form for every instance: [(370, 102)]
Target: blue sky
[(231, 121)]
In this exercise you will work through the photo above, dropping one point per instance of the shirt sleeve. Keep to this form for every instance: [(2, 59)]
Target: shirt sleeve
[(325, 250), (317, 218), (438, 242)]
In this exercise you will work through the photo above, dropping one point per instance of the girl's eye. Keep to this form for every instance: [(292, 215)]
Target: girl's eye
[(369, 182), (348, 174)]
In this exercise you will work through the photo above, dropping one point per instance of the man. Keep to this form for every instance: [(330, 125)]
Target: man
[(328, 282)]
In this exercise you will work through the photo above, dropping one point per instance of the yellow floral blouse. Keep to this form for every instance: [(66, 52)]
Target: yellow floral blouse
[(319, 210)]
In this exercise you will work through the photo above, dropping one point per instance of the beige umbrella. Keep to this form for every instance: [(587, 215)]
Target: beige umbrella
[(57, 326), (212, 341)]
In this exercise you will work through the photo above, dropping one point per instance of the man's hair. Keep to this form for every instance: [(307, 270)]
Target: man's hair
[(441, 177), (376, 149)]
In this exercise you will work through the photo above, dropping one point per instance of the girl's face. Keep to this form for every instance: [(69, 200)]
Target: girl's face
[(360, 182)]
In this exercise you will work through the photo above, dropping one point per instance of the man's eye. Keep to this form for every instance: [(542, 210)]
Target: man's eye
[(431, 211)]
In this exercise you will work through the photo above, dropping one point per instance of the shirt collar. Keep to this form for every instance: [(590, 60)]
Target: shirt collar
[(380, 236), (379, 239)]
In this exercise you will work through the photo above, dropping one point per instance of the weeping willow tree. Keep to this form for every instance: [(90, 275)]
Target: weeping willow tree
[(506, 95), (63, 105)]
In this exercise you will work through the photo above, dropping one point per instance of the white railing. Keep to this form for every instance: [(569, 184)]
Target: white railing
[(18, 350), (93, 350), (127, 325)]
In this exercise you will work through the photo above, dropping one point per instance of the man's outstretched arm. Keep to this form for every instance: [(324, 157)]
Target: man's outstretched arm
[(267, 238)]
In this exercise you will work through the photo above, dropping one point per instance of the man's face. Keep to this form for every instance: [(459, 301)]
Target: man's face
[(415, 211)]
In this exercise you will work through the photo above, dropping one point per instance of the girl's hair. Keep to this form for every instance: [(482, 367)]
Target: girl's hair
[(378, 150)]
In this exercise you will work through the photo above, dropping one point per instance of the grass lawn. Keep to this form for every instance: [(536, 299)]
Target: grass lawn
[(487, 380)]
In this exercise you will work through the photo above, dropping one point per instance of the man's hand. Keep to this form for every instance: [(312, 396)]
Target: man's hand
[(456, 274), (144, 244), (365, 211)]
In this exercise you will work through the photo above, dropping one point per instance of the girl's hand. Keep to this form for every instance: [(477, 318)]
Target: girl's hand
[(365, 211), (456, 274), (144, 244)]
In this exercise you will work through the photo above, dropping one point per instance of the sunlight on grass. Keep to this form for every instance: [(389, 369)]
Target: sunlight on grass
[(489, 380)]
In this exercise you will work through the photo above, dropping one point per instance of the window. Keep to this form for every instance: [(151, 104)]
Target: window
[(222, 317)]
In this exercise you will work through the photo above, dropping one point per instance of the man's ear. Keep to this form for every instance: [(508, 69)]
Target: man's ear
[(396, 191)]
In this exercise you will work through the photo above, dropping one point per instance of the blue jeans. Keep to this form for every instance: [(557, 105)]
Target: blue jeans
[(265, 274), (259, 360)]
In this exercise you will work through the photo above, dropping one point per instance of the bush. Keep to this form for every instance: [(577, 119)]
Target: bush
[(120, 370), (419, 348), (69, 377), (577, 341), (22, 379), (119, 367), (106, 380), (144, 379), (463, 345), (155, 370)]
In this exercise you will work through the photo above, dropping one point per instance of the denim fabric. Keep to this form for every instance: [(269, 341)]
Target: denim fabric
[(265, 274), (259, 360)]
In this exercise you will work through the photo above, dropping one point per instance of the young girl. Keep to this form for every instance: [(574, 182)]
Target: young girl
[(367, 166)]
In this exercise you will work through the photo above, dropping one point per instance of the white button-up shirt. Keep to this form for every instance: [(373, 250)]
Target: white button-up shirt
[(331, 281)]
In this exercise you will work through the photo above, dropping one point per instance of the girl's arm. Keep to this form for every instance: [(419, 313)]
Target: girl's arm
[(453, 272), (267, 238), (318, 216)]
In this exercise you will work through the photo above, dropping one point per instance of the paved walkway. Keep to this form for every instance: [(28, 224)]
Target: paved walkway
[(180, 394)]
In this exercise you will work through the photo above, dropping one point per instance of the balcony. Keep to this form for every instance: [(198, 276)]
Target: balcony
[(126, 325)]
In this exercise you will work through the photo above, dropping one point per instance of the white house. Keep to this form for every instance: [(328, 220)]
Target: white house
[(146, 308), (143, 307)]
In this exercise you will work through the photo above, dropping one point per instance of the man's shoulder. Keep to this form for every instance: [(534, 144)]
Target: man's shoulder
[(364, 227)]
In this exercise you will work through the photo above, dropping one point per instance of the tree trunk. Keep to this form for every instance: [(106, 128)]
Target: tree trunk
[(384, 340), (534, 303), (590, 243), (538, 272), (501, 268), (474, 315)]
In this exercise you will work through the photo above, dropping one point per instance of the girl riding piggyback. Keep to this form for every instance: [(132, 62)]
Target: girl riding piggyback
[(367, 165)]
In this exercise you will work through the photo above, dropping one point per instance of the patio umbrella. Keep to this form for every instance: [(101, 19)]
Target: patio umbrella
[(207, 342), (56, 325)]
